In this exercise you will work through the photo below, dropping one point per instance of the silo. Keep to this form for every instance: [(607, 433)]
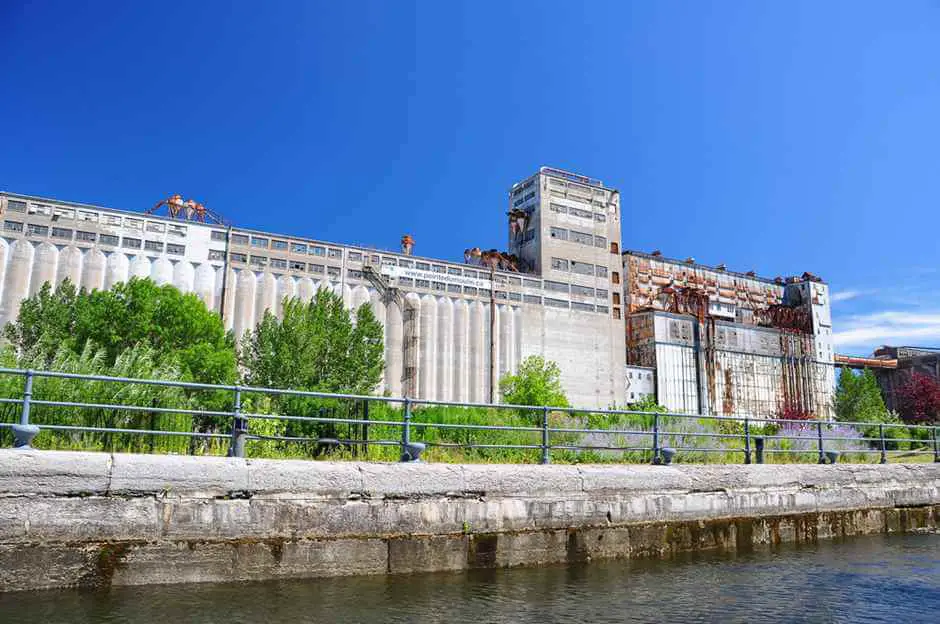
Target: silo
[(16, 280), (117, 269), (140, 266), (360, 295), (4, 254), (204, 284), (378, 309), (305, 289), (286, 289), (427, 345), (267, 292), (344, 291), (445, 349), (461, 351), (45, 260), (477, 348), (243, 315), (69, 266), (184, 275), (517, 332), (228, 298), (93, 268), (161, 271)]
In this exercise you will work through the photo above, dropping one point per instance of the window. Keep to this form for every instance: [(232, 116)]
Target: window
[(559, 233), (152, 226), (259, 260), (16, 206), (13, 226), (558, 208), (134, 224), (43, 230), (517, 203), (559, 264), (582, 268), (616, 297), (584, 307), (515, 281), (556, 286), (239, 239), (130, 243), (469, 290), (603, 309), (601, 293), (453, 271), (153, 245), (515, 296), (422, 283), (528, 236), (601, 271), (555, 303), (616, 313), (614, 248), (85, 215), (279, 245), (238, 257), (529, 283), (437, 268), (517, 192), (532, 299), (86, 236), (216, 254), (582, 290), (438, 286), (600, 218), (600, 241), (353, 274), (423, 266), (615, 277), (405, 263), (298, 248), (389, 262), (316, 250), (58, 232), (355, 256), (259, 241), (278, 263), (454, 288), (582, 237), (109, 239), (298, 266), (217, 235), (578, 212), (332, 271), (500, 294), (406, 281), (335, 253), (177, 230), (315, 268)]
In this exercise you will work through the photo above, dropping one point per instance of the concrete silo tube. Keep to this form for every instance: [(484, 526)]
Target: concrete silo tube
[(461, 351), (45, 259), (445, 349), (427, 349)]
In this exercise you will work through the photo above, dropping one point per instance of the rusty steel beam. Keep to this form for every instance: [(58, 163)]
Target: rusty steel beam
[(864, 362)]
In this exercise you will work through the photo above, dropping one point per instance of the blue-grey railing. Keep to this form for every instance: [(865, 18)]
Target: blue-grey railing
[(653, 441)]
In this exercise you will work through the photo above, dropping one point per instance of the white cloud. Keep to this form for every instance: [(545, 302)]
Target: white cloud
[(845, 295), (889, 327)]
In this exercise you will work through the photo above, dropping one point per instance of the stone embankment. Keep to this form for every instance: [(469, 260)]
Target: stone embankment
[(97, 519)]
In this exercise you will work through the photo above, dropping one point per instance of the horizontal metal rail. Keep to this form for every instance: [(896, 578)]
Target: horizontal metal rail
[(662, 436)]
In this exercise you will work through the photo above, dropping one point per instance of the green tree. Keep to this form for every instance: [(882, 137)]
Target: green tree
[(316, 346), (538, 382), (858, 398), (177, 327)]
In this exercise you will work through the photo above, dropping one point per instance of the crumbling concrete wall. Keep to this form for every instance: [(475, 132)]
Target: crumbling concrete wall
[(96, 519)]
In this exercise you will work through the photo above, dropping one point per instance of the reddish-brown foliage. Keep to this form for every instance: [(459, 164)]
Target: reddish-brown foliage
[(919, 398), (791, 411)]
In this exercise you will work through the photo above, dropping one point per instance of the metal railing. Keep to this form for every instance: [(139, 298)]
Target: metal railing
[(575, 434)]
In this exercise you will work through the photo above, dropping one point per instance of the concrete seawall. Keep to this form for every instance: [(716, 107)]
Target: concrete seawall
[(97, 519)]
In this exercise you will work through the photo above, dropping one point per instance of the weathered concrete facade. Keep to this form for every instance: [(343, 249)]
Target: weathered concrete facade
[(95, 519)]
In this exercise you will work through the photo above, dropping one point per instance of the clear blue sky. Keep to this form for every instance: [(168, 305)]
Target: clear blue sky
[(774, 136)]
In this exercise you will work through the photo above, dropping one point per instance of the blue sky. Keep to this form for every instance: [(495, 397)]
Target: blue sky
[(775, 136)]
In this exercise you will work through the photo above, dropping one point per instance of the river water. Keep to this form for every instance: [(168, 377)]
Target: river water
[(865, 579)]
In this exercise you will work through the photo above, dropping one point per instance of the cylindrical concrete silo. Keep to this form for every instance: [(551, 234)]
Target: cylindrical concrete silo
[(360, 295), (243, 316), (226, 300), (184, 275), (45, 259), (267, 292), (305, 289), (16, 280), (204, 284), (517, 332), (161, 271), (477, 348), (344, 291), (427, 355), (461, 351), (140, 267), (445, 349), (378, 309), (93, 268), (69, 266), (117, 269), (286, 289), (4, 254)]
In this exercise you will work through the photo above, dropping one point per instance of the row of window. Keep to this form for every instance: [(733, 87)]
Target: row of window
[(578, 212), (581, 268), (63, 214), (575, 236), (61, 233)]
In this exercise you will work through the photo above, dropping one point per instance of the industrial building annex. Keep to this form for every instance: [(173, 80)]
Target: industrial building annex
[(620, 325)]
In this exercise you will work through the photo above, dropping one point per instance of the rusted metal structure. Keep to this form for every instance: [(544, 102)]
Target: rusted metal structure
[(729, 343), (905, 360)]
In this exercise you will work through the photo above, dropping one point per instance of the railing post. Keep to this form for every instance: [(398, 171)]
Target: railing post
[(239, 428), (884, 453), (546, 452), (656, 458), (747, 440), (819, 435), (23, 433), (936, 445)]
